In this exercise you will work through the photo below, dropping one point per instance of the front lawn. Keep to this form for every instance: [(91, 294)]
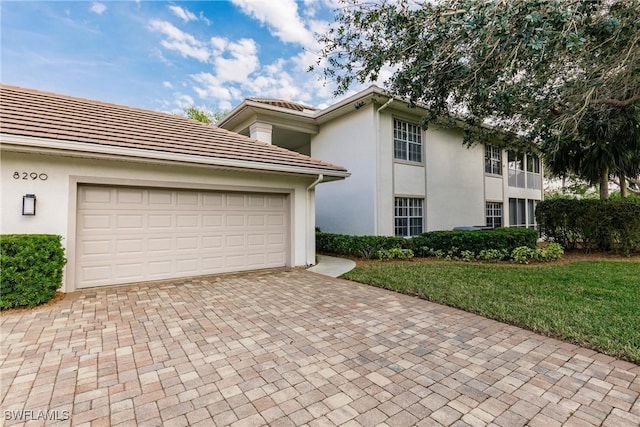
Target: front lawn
[(594, 304)]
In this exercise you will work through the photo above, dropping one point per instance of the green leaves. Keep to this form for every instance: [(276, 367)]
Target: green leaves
[(543, 70)]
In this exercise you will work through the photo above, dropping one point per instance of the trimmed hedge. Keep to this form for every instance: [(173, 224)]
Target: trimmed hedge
[(591, 224), (356, 246), (452, 242), (456, 241), (31, 269)]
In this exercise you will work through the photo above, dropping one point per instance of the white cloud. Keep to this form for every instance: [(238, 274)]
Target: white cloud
[(98, 8), (167, 85), (242, 62), (180, 41), (282, 19), (182, 13), (210, 87), (183, 101)]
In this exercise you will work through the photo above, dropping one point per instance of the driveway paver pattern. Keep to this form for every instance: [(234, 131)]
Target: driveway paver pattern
[(290, 348)]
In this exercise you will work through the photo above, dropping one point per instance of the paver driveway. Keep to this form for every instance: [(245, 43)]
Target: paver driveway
[(292, 348)]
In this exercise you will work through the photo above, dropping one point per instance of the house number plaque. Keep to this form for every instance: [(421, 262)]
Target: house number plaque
[(30, 175)]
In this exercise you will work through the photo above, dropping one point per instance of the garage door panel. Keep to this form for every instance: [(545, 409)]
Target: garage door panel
[(160, 199), (136, 234), (212, 242), (130, 246), (130, 222), (97, 247), (163, 221), (101, 196), (256, 240), (212, 221), (235, 200), (98, 274), (186, 221), (234, 241), (130, 197), (95, 222), (275, 220), (234, 220), (212, 200), (159, 244), (187, 198)]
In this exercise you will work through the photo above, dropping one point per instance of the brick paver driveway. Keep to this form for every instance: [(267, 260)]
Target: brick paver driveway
[(292, 348)]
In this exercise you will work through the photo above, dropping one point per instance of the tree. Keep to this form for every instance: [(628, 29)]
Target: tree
[(204, 116), (535, 70)]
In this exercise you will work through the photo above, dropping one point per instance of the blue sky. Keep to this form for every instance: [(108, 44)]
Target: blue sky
[(167, 55)]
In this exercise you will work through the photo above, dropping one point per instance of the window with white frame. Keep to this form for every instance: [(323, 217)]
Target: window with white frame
[(517, 213), (534, 180), (524, 170), (409, 216), (492, 160), (515, 164), (494, 214), (531, 213), (407, 141)]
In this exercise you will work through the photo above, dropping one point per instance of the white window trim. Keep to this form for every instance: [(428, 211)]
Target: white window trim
[(420, 134), (409, 216)]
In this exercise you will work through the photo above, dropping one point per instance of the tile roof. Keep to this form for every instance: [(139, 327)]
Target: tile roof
[(33, 113), (283, 104)]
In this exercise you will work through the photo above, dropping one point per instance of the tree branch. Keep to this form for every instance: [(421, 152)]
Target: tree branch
[(617, 102)]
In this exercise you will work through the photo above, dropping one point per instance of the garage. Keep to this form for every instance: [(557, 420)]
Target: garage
[(131, 234), (138, 195)]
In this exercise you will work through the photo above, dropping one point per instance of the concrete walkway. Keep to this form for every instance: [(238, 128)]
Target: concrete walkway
[(293, 348), (332, 266)]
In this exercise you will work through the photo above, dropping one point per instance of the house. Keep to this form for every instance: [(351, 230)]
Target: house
[(140, 195), (405, 180)]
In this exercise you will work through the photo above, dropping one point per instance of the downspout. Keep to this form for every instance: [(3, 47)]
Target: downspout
[(311, 234), (316, 182), (377, 149)]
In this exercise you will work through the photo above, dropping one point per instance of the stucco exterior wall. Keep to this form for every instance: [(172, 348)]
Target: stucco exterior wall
[(56, 196), (348, 206), (455, 181), (494, 188)]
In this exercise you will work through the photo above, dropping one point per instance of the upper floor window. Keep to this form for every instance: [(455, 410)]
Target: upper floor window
[(407, 141), (515, 164), (524, 171), (492, 160), (534, 180)]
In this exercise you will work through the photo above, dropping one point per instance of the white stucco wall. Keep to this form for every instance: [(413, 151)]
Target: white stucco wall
[(409, 180), (347, 206), (455, 181), (494, 186), (56, 195)]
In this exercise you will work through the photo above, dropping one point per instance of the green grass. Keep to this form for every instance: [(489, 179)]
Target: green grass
[(594, 304)]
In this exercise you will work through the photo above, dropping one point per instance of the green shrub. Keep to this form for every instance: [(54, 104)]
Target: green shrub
[(441, 244), (31, 269), (524, 254), (591, 224), (493, 255), (454, 242), (467, 256), (395, 253), (357, 246)]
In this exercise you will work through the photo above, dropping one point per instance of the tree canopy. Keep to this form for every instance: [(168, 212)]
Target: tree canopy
[(539, 71), (204, 116)]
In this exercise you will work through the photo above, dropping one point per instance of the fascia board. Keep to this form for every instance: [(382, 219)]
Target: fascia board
[(79, 149)]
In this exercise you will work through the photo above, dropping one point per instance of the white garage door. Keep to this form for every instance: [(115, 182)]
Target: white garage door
[(127, 234)]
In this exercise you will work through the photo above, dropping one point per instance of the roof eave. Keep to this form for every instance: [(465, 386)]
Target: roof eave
[(21, 143)]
